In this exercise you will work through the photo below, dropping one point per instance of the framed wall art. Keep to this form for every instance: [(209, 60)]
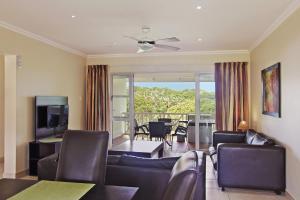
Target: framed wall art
[(271, 90)]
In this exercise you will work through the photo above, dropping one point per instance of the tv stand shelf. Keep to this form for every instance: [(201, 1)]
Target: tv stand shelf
[(39, 150)]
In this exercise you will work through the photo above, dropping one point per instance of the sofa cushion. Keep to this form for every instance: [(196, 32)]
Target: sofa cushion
[(250, 136), (113, 159), (260, 139), (162, 163)]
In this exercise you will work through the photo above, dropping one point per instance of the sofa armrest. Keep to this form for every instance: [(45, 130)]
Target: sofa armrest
[(152, 182), (252, 166), (47, 167), (228, 137)]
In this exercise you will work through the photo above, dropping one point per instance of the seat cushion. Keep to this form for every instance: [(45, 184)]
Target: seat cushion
[(250, 136)]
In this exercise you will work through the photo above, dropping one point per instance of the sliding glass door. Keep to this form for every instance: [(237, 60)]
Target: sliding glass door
[(122, 107), (176, 96), (205, 109)]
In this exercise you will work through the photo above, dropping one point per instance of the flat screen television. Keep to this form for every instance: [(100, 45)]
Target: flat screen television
[(51, 120)]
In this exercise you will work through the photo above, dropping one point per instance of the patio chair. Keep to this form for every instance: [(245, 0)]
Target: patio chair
[(180, 130), (158, 130), (168, 128), (140, 130)]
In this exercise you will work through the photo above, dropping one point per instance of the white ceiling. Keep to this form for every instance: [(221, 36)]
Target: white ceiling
[(99, 25)]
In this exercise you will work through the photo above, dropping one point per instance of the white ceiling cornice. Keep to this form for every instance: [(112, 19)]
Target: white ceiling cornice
[(40, 38), (287, 12), (181, 53)]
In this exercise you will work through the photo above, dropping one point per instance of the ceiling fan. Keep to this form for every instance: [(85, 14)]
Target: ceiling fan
[(146, 44)]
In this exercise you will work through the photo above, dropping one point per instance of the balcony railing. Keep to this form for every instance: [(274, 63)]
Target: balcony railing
[(146, 117)]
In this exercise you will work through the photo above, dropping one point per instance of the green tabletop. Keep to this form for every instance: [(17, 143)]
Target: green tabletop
[(54, 190), (50, 140)]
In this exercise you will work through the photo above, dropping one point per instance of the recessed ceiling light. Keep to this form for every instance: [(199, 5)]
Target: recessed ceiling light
[(199, 7), (199, 39), (73, 16)]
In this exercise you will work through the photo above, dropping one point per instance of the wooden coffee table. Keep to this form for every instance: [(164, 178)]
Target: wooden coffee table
[(140, 148)]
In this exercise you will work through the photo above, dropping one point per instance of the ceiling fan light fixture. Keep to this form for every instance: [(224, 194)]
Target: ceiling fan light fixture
[(145, 46)]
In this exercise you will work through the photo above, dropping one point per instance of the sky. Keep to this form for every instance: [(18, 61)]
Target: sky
[(208, 86)]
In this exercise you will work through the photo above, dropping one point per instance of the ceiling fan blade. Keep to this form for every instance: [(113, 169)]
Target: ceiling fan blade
[(170, 39), (132, 38), (162, 46)]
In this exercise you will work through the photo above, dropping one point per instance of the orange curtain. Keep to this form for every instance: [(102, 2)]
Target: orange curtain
[(97, 98), (232, 101)]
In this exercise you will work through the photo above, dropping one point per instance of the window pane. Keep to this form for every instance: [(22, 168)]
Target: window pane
[(120, 85)]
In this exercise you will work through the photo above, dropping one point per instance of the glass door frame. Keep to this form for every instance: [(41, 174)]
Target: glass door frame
[(197, 107), (130, 117)]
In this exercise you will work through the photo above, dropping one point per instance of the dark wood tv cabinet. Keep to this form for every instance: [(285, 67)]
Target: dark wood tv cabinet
[(39, 150)]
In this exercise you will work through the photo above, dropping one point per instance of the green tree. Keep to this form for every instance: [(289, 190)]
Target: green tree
[(162, 100)]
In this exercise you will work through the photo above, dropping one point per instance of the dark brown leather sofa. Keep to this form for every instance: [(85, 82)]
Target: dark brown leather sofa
[(248, 160), (164, 178)]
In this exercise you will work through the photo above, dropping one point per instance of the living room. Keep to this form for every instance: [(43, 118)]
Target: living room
[(48, 54)]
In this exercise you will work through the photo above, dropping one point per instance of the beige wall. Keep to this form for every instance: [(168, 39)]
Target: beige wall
[(1, 107), (45, 71), (282, 46)]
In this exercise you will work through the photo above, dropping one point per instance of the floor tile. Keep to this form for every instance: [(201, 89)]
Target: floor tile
[(1, 169), (216, 194)]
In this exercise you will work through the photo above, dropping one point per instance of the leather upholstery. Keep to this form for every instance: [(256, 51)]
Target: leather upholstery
[(254, 162), (162, 163), (47, 167), (183, 178), (227, 137), (152, 176), (152, 182), (83, 157), (260, 167)]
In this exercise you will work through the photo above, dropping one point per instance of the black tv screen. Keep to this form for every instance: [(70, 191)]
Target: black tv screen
[(51, 119), (57, 116), (42, 117)]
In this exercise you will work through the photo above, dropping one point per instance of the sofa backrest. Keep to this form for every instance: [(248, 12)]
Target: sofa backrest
[(183, 178), (87, 164)]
